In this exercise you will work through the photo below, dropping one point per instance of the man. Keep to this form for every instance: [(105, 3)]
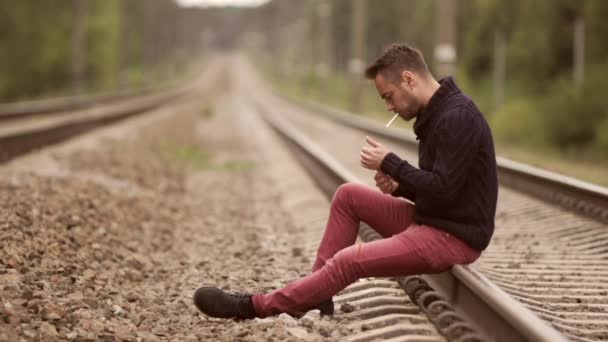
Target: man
[(454, 190)]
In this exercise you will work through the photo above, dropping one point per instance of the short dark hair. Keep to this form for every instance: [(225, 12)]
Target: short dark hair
[(395, 59)]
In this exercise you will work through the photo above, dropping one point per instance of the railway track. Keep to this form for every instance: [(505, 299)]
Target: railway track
[(19, 110), (550, 260), (28, 126)]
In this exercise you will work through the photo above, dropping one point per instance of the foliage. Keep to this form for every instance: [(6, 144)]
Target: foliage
[(126, 43), (138, 42), (32, 51), (575, 116), (542, 105)]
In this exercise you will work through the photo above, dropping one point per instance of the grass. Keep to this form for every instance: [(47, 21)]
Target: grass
[(510, 137), (207, 112), (239, 165), (580, 167), (187, 155), (200, 159)]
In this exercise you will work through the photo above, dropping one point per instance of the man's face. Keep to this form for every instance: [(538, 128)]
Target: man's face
[(399, 97)]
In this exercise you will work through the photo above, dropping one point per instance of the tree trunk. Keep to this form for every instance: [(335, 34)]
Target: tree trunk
[(579, 51), (500, 66), (78, 46), (323, 68), (445, 46), (123, 46), (357, 59)]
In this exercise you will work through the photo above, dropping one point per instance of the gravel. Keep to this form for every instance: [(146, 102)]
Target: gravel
[(106, 237)]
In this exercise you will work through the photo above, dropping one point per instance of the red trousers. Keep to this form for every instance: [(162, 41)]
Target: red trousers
[(407, 249)]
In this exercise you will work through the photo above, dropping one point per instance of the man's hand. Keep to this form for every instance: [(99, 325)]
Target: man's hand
[(373, 155), (385, 183)]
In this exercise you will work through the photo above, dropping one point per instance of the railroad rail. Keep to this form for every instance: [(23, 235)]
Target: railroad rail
[(27, 126), (19, 110), (550, 260)]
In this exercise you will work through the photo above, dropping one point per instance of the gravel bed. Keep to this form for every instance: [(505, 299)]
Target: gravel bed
[(107, 236)]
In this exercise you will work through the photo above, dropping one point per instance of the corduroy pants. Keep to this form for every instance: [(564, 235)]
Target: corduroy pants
[(407, 249)]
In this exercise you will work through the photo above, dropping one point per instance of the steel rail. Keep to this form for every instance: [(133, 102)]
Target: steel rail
[(494, 313), (18, 110), (23, 109)]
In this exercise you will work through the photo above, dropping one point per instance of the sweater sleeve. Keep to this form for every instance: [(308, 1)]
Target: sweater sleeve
[(457, 135), (405, 193)]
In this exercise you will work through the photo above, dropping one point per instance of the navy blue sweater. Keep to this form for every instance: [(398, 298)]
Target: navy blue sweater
[(456, 187)]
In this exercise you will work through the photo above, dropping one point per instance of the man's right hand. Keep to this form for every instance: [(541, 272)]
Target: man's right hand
[(385, 183)]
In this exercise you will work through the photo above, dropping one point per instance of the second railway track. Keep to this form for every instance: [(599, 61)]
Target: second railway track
[(25, 127)]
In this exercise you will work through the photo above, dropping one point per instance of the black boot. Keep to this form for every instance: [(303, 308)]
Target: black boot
[(326, 307), (215, 302)]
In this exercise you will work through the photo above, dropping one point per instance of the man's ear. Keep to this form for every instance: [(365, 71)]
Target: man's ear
[(408, 78)]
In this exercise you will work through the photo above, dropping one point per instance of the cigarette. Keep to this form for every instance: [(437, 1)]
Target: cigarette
[(393, 119)]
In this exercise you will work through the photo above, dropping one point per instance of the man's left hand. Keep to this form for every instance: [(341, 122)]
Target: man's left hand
[(373, 155)]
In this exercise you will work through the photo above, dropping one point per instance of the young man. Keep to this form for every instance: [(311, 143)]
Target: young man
[(455, 192)]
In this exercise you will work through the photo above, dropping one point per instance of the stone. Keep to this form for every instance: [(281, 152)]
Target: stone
[(53, 316), (298, 332), (287, 320), (118, 311), (91, 302), (347, 307), (11, 289), (92, 325), (144, 336), (123, 332), (27, 294), (313, 314), (30, 332), (47, 331), (35, 305), (52, 312), (336, 335), (191, 338), (76, 296), (12, 310), (132, 297), (11, 276)]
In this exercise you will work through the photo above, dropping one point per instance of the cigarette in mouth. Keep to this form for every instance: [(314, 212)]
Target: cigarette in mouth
[(393, 119)]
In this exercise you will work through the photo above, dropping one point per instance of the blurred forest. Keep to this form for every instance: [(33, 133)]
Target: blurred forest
[(67, 47), (537, 69)]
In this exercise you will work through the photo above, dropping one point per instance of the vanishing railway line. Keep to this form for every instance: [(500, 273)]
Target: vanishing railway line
[(20, 110), (550, 246), (30, 125)]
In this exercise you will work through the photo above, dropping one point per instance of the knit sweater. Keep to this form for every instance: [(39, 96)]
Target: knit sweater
[(456, 187)]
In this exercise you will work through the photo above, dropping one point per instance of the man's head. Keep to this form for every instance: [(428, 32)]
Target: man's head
[(402, 79)]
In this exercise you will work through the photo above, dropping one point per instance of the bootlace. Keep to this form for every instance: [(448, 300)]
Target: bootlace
[(239, 295), (244, 305)]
